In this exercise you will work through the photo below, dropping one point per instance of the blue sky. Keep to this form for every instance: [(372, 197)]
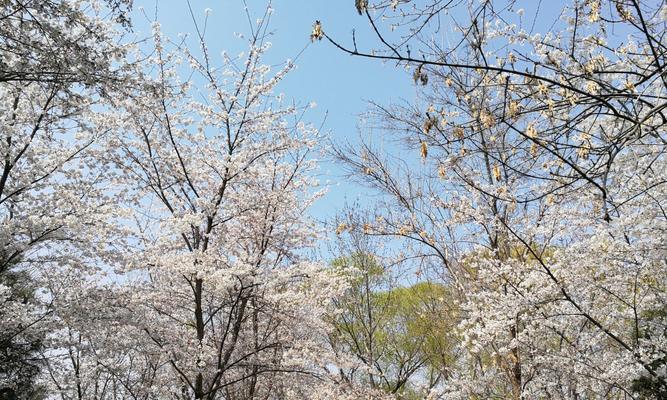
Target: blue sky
[(340, 84)]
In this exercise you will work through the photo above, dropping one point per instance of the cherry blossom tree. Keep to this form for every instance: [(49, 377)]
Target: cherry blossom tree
[(214, 297), (537, 184), (59, 61)]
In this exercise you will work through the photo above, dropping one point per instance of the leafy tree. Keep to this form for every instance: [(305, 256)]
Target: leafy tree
[(402, 337), (20, 342)]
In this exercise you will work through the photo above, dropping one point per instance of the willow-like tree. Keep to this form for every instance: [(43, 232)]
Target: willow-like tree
[(401, 336)]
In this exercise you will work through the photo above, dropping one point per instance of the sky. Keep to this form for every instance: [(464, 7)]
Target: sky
[(340, 85)]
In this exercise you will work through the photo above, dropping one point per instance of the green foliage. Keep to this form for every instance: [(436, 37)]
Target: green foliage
[(19, 344), (403, 333), (422, 319), (647, 386)]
